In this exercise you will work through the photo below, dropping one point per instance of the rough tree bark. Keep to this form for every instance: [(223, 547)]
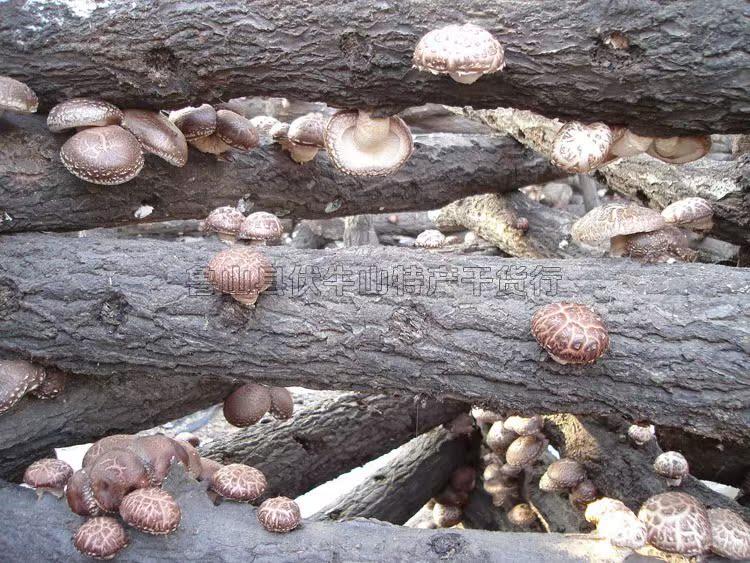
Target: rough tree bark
[(358, 54), (396, 492), (330, 438), (129, 307), (359, 231), (38, 193)]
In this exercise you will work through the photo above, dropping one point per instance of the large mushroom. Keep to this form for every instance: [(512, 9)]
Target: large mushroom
[(232, 132), (524, 450), (570, 332), (103, 155), (80, 495), (282, 403), (82, 112), (614, 221), (157, 135), (691, 213), (240, 272), (578, 147), (48, 475), (306, 137), (15, 96), (676, 523), (679, 150), (617, 523), (115, 474)]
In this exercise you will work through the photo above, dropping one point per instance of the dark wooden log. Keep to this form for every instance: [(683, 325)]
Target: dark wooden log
[(135, 307), (359, 54), (329, 438), (38, 193)]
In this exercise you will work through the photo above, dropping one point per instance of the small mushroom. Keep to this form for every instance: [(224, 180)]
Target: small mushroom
[(524, 426), (195, 123), (465, 52), (240, 272), (361, 145), (264, 124), (673, 466), (106, 444), (617, 523), (676, 523), (625, 143), (582, 494), (641, 433), (613, 221), (279, 133), (561, 475), (232, 132), (101, 538), (260, 228), (570, 332), (430, 239), (246, 405), (114, 474), (525, 450), (238, 482), (80, 495), (730, 534), (48, 475), (279, 514), (498, 437), (151, 510), (691, 213), (103, 155), (580, 148), (225, 222), (446, 516), (663, 245), (15, 96), (306, 137), (17, 377), (522, 515), (282, 403), (680, 150), (52, 385), (157, 135)]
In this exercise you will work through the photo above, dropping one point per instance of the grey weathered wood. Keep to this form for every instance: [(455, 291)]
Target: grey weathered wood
[(133, 307), (684, 68)]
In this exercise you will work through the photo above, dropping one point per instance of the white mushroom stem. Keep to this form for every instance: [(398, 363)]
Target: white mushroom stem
[(246, 299), (227, 238), (674, 482), (465, 77), (370, 132), (301, 154)]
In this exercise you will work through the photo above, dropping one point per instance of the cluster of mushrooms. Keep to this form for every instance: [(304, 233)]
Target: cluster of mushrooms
[(447, 506)]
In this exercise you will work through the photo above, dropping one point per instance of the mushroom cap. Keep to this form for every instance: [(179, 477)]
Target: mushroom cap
[(240, 272), (676, 523), (114, 474), (157, 135), (151, 510), (614, 219), (261, 226), (282, 403), (101, 537), (580, 148), (279, 514), (52, 385), (679, 150), (548, 485), (730, 534), (599, 509), (459, 49), (522, 515), (16, 378), (452, 497), (103, 155), (430, 238), (195, 122), (446, 515), (80, 495), (485, 416), (158, 452), (570, 332), (524, 450), (48, 473), (15, 96), (566, 472), (246, 405), (208, 468), (83, 112), (499, 437), (625, 143), (658, 246), (308, 131), (264, 123), (687, 211), (238, 482), (583, 493), (108, 443), (623, 529), (379, 159), (236, 131), (463, 478), (641, 434), (279, 132), (671, 465), (524, 426), (225, 220)]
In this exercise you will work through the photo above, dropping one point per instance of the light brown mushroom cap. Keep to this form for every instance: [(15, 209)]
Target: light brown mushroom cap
[(571, 333), (15, 96), (152, 510), (524, 450), (224, 220), (363, 146), (680, 150), (236, 131), (522, 515), (465, 52), (625, 143), (598, 509), (157, 135), (240, 272), (446, 516), (195, 122), (101, 538), (80, 495), (498, 437), (565, 473), (264, 123), (641, 433), (261, 226), (103, 155), (279, 132), (614, 219), (83, 112), (279, 514), (210, 145), (48, 474), (430, 238), (247, 404), (524, 426), (17, 377), (662, 245), (238, 482), (282, 403), (673, 466), (730, 534), (578, 147), (676, 523), (623, 529), (690, 212), (52, 385), (308, 131)]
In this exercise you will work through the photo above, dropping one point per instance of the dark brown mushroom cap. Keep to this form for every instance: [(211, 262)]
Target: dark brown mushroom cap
[(238, 482), (80, 495), (17, 377), (578, 147), (101, 538), (225, 220), (261, 226), (103, 155), (208, 468), (566, 472), (114, 474), (524, 450), (730, 534), (676, 523), (195, 123), (499, 437), (658, 246), (688, 211), (157, 135), (570, 332), (446, 516), (236, 131), (82, 112), (52, 385), (48, 473), (106, 444), (671, 465), (240, 272), (158, 452), (680, 150), (246, 405), (463, 478), (15, 96), (151, 510), (282, 403), (308, 131), (452, 497), (583, 493), (524, 426), (522, 515), (614, 219), (279, 514)]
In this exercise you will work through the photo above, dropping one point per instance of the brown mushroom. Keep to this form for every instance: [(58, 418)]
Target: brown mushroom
[(264, 124), (580, 148), (48, 475), (613, 221), (730, 534), (103, 155), (582, 494), (625, 143), (225, 222), (246, 405), (306, 137), (151, 510), (194, 467), (279, 514), (693, 213), (279, 133), (80, 495), (561, 475), (195, 123), (676, 523), (17, 377), (485, 416), (101, 538), (446, 516), (452, 497), (106, 444), (282, 403), (157, 453), (499, 437), (208, 468), (113, 475), (570, 332), (525, 450), (430, 238), (672, 466), (83, 112), (238, 482), (680, 150), (157, 135), (524, 426), (15, 96), (232, 132), (260, 228), (522, 515), (240, 272)]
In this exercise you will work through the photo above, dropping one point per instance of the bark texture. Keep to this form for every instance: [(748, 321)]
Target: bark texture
[(37, 193), (330, 438), (681, 67), (141, 307)]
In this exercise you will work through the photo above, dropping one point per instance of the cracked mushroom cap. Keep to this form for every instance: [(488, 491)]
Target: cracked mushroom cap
[(524, 426), (446, 516), (151, 510), (563, 474), (157, 135), (690, 212), (625, 143), (115, 474), (663, 245), (282, 403), (306, 135), (236, 131), (499, 437), (680, 150), (522, 515), (246, 405), (101, 538), (261, 226), (524, 450), (52, 386), (673, 466), (279, 514), (83, 112), (17, 377), (80, 495), (465, 52), (623, 529), (360, 145), (158, 452), (580, 148), (103, 155), (676, 523), (570, 332), (730, 534), (195, 123), (430, 238), (615, 219), (15, 96), (224, 220), (240, 272), (641, 433), (48, 474), (238, 482), (106, 444)]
